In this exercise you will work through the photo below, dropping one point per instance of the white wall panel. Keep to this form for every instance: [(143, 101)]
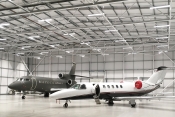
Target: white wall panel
[(109, 57), (148, 64), (3, 89), (4, 64), (118, 65), (41, 68), (109, 66), (93, 66), (10, 80), (10, 73), (47, 67), (138, 57), (128, 65), (3, 81), (54, 67), (118, 57), (85, 66), (100, 66), (4, 72), (138, 65)]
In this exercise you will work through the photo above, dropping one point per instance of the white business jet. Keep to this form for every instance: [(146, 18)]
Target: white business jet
[(114, 91)]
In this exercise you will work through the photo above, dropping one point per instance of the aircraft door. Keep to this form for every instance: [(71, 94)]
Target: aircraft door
[(97, 90), (34, 83)]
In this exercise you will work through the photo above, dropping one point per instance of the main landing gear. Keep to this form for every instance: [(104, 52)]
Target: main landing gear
[(23, 96), (110, 102), (46, 94), (132, 103), (66, 104)]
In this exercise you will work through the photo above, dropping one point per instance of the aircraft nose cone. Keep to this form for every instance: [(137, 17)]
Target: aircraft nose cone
[(10, 86)]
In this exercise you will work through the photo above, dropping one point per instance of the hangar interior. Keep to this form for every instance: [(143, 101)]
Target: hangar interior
[(112, 40)]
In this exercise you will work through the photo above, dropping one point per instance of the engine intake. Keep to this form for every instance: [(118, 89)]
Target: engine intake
[(138, 84), (69, 82), (60, 75)]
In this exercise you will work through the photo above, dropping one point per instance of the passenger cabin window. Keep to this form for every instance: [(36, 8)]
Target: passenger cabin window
[(112, 86), (20, 79), (108, 86), (26, 80), (121, 86), (75, 86), (104, 86), (83, 86), (116, 86)]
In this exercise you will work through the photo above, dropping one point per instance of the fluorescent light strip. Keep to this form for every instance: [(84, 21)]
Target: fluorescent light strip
[(162, 37), (162, 46), (2, 39), (128, 48), (96, 15), (1, 48), (120, 40), (110, 30), (46, 20), (59, 56), (161, 26), (69, 34), (159, 7), (105, 54)]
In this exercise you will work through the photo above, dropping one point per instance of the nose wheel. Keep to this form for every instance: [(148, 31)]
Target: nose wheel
[(23, 97), (65, 105)]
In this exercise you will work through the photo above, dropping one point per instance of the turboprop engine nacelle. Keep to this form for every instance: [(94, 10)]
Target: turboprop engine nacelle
[(138, 84)]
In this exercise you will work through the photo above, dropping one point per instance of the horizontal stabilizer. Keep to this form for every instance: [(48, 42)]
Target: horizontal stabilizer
[(81, 76), (141, 97)]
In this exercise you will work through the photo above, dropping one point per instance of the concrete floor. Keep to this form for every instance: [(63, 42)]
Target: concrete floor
[(38, 106)]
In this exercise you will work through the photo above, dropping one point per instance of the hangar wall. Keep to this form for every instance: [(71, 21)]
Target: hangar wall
[(11, 68), (114, 68)]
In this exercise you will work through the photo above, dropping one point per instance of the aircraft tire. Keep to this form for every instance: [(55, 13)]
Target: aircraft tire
[(46, 94), (65, 105), (133, 105), (23, 97)]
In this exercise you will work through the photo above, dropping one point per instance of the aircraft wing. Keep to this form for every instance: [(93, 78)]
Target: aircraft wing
[(56, 89), (141, 97)]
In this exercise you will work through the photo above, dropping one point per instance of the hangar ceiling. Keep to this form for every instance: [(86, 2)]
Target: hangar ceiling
[(38, 28)]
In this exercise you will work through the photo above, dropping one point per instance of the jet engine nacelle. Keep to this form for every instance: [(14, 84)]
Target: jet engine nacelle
[(138, 84), (61, 76), (69, 82)]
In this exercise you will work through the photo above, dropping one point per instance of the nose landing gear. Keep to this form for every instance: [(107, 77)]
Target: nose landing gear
[(23, 97), (66, 104)]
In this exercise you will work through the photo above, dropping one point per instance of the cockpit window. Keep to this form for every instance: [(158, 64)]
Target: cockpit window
[(20, 79), (76, 86), (26, 79), (83, 86)]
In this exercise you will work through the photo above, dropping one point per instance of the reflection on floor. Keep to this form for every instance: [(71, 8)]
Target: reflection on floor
[(38, 106)]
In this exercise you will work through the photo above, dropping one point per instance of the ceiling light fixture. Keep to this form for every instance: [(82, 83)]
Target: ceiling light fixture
[(2, 39), (110, 30), (59, 56), (33, 37), (159, 7), (162, 37), (96, 15), (1, 48), (4, 24), (120, 40), (162, 46), (69, 34), (82, 55), (20, 53), (105, 54), (132, 53), (161, 26), (128, 48), (25, 47), (45, 20)]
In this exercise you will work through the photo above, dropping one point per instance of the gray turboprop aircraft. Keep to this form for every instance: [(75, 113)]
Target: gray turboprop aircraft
[(43, 84)]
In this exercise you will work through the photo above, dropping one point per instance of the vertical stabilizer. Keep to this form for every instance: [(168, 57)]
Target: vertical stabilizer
[(158, 76), (72, 71)]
